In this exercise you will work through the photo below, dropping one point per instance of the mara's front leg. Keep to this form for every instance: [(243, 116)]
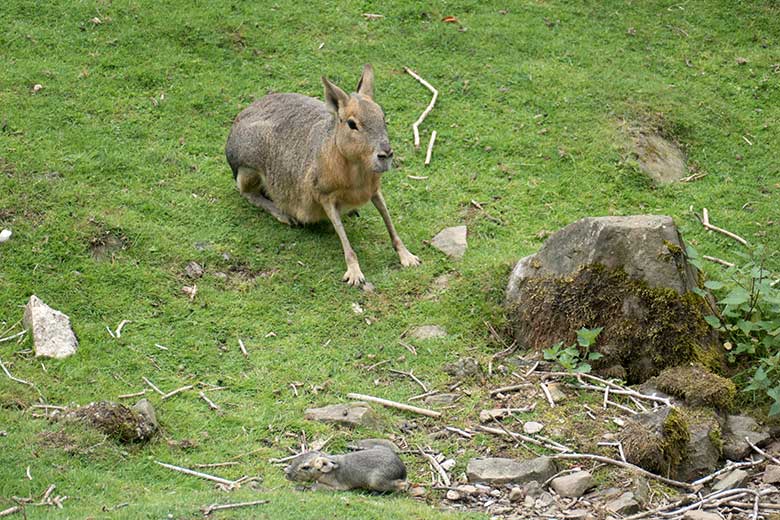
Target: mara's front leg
[(353, 276), (407, 258)]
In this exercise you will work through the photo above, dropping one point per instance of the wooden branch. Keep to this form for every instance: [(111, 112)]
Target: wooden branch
[(393, 404), (11, 510), (717, 260), (216, 464), (243, 348), (425, 113), (520, 436), (435, 463), (761, 452), (118, 331), (430, 148), (152, 386), (409, 375), (9, 338), (194, 473), (511, 388), (174, 392), (627, 465), (547, 395), (462, 433), (730, 466), (218, 507), (706, 223), (12, 378), (211, 403), (130, 396)]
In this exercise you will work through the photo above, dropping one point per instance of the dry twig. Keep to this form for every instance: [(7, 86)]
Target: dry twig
[(217, 507), (435, 463), (411, 376), (706, 223), (209, 402), (12, 378), (152, 386), (430, 148), (194, 473), (14, 336), (717, 260), (627, 465), (415, 126), (393, 404), (243, 348), (177, 391)]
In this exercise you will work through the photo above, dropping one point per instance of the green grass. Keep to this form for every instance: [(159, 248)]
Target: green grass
[(126, 138)]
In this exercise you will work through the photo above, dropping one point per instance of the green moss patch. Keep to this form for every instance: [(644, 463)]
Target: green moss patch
[(698, 386), (646, 329), (656, 443)]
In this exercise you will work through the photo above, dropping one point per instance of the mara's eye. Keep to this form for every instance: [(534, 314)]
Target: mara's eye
[(305, 468), (352, 124)]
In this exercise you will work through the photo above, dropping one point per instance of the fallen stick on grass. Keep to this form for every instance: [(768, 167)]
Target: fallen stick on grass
[(416, 124), (411, 376), (243, 348), (211, 403), (9, 338), (194, 473), (153, 386), (445, 479), (521, 437), (12, 378), (393, 404), (177, 391), (706, 223), (429, 151), (130, 396), (218, 507), (11, 510), (717, 260)]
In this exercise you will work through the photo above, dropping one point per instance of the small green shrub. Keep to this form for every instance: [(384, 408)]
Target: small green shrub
[(574, 358), (747, 313)]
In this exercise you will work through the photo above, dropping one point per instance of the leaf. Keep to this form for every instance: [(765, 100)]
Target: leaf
[(714, 285), (774, 409), (584, 368), (586, 337), (450, 19), (712, 321), (593, 356), (737, 296)]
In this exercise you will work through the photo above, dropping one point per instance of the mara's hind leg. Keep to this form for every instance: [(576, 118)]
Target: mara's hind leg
[(250, 184)]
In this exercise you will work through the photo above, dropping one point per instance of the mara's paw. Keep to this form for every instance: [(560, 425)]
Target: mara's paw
[(354, 276), (408, 259), (287, 219)]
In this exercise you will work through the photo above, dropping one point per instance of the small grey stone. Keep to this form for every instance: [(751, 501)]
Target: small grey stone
[(556, 392), (417, 491), (453, 495), (145, 408), (772, 474), (451, 241), (532, 427), (731, 480), (352, 414), (701, 515), (497, 471), (544, 501), (462, 368), (468, 490), (533, 488), (516, 493), (625, 504), (441, 399), (51, 331), (194, 270), (529, 502), (574, 485), (367, 444), (427, 332)]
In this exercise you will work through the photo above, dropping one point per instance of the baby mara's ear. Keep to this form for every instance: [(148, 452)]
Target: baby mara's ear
[(324, 464)]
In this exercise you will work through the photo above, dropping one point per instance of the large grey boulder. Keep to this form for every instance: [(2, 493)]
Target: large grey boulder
[(498, 471), (629, 275), (51, 332)]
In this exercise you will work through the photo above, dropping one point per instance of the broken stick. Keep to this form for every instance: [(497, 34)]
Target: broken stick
[(428, 109), (194, 473), (706, 223), (12, 378), (626, 465), (394, 404), (430, 148), (217, 507)]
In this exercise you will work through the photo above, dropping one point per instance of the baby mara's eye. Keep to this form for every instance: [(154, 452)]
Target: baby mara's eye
[(305, 468), (352, 124)]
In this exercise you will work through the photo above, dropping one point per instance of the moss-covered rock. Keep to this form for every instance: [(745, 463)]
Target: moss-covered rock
[(115, 420), (698, 386), (628, 275), (656, 440)]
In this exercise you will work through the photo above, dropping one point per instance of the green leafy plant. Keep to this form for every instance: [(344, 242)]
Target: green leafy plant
[(574, 358), (747, 313)]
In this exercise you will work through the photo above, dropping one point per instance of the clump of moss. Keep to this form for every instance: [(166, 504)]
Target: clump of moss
[(656, 441), (698, 386), (645, 329), (115, 420)]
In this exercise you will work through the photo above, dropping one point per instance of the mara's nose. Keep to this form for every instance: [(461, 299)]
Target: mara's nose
[(385, 153)]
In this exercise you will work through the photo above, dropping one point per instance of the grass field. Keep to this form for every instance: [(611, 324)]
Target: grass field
[(113, 179)]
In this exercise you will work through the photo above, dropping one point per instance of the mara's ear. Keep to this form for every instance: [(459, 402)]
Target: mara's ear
[(335, 98), (366, 84), (325, 465)]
